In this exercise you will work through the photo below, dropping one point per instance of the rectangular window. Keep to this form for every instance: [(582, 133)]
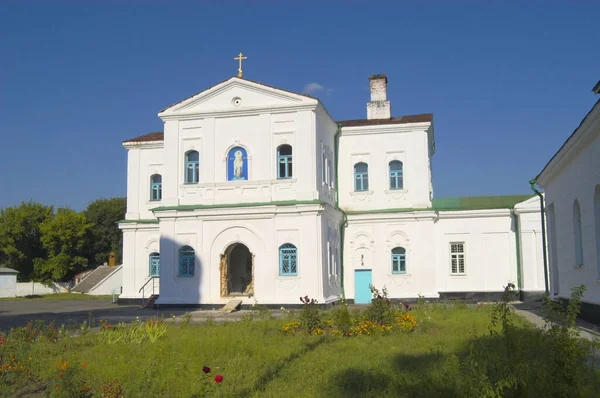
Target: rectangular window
[(398, 263), (396, 180), (186, 263), (156, 191), (361, 182), (324, 168), (457, 258)]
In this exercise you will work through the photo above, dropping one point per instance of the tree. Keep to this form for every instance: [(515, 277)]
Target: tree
[(20, 237), (105, 236), (65, 239)]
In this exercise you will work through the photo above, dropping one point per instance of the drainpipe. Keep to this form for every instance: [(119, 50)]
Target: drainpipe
[(336, 149), (538, 193), (518, 247)]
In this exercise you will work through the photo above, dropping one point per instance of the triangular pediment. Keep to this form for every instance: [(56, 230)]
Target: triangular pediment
[(237, 94)]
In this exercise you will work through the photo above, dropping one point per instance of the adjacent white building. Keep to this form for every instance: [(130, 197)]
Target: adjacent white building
[(571, 181), (257, 193)]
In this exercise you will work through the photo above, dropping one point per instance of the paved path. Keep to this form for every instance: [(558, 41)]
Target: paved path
[(533, 313), (19, 312)]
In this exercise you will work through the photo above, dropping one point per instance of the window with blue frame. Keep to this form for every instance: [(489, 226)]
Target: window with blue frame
[(156, 187), (361, 177), (187, 257), (192, 167), (154, 264), (284, 161), (396, 178), (398, 260), (288, 260)]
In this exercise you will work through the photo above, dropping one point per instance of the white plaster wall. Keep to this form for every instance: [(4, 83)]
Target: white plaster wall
[(139, 240), (325, 156), (330, 221), (490, 250), (110, 285), (8, 285), (532, 260), (377, 146), (576, 181), (29, 288), (374, 237), (142, 162), (262, 231)]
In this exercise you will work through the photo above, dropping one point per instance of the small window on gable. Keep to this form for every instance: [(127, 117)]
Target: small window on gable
[(187, 259), (399, 260), (192, 167), (577, 234), (457, 258), (154, 264), (284, 162), (396, 177), (156, 187), (361, 177), (288, 260)]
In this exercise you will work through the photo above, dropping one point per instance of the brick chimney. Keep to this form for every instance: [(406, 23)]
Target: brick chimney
[(379, 107)]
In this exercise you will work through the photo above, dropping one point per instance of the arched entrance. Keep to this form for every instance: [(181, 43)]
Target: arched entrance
[(237, 271)]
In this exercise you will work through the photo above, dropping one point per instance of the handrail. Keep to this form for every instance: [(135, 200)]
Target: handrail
[(143, 291), (148, 281)]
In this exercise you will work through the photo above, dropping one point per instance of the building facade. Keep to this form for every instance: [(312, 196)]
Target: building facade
[(571, 181), (257, 193)]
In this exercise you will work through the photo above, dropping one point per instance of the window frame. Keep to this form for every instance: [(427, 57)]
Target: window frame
[(458, 256), (578, 234), (396, 175), (364, 177), (293, 254), (400, 258), (287, 160), (194, 165), (154, 256), (186, 251), (155, 188)]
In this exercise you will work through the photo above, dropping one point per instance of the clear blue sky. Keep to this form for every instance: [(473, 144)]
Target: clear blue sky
[(507, 81)]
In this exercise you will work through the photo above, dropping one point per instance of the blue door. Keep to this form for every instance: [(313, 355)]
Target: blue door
[(362, 291)]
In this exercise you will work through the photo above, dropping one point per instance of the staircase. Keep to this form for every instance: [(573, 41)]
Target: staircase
[(93, 279), (150, 302)]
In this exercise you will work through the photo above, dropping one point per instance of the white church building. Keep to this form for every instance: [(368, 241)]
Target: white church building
[(571, 181), (256, 193)]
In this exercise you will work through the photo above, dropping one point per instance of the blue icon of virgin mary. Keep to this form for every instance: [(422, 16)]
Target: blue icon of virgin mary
[(237, 164)]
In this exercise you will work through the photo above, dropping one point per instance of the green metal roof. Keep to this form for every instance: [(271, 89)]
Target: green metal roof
[(478, 202)]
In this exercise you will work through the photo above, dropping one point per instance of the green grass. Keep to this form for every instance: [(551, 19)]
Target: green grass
[(57, 296), (257, 360)]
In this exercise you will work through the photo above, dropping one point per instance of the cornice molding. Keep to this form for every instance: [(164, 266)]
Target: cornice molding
[(387, 128), (144, 145), (445, 215)]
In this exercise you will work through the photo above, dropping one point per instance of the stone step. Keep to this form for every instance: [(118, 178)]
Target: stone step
[(231, 306)]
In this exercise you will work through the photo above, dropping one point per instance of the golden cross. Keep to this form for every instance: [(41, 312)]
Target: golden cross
[(240, 58)]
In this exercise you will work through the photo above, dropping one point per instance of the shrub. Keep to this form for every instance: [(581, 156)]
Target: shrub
[(310, 315), (381, 309), (342, 318)]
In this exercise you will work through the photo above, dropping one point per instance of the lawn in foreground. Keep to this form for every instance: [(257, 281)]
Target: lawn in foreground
[(257, 359)]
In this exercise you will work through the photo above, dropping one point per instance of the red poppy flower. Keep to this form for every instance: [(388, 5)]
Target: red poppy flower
[(218, 379), (206, 369)]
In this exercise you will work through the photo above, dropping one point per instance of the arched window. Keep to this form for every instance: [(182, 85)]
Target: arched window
[(288, 260), (361, 177), (155, 187), (284, 161), (187, 257), (154, 264), (597, 226), (398, 260), (237, 164), (577, 234), (396, 179), (192, 167)]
